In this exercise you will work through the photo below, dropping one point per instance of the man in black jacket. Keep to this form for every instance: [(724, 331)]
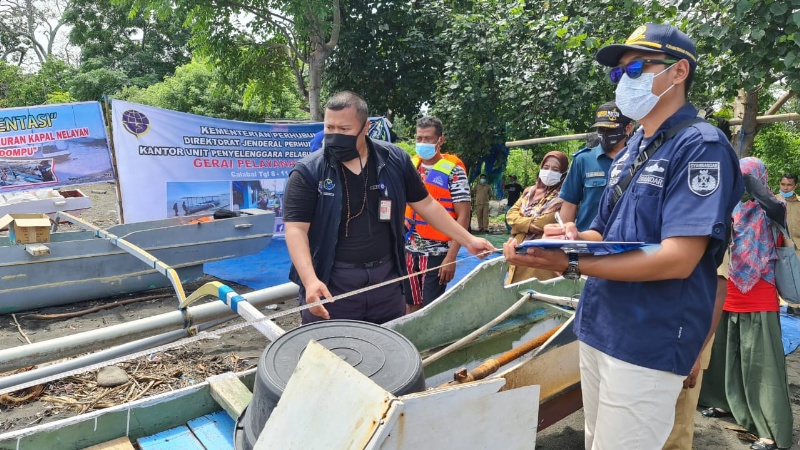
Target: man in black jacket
[(344, 209)]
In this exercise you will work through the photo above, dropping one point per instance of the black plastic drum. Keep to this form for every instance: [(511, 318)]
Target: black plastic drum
[(384, 355)]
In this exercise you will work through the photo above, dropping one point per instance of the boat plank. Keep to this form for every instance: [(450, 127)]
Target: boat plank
[(214, 431), (122, 443), (178, 438), (230, 393)]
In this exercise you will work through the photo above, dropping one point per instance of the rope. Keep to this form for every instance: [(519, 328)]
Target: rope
[(215, 334)]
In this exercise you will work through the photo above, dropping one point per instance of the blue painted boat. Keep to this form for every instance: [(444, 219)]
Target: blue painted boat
[(80, 265)]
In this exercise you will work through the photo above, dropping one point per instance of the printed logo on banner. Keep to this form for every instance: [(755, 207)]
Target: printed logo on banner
[(135, 122), (703, 177)]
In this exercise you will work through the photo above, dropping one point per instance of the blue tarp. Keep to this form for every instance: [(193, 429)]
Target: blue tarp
[(270, 267), (790, 331)]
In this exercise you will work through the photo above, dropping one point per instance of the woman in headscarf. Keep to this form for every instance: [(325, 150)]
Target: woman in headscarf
[(536, 208), (746, 377)]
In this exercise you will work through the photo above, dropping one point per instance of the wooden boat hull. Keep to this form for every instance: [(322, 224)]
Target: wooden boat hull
[(479, 298), (82, 267)]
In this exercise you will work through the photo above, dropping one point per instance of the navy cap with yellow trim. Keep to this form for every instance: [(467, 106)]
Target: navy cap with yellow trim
[(652, 37), (609, 116)]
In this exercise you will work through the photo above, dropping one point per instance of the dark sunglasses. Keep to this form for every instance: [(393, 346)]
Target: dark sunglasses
[(634, 68)]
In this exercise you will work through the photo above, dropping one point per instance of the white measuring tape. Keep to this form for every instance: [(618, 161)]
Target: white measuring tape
[(215, 334)]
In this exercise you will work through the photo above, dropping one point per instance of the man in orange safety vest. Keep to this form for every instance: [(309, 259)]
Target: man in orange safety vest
[(445, 177)]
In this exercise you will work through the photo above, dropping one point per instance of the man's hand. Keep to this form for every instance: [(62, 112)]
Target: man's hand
[(556, 231), (448, 271), (314, 291), (691, 380), (555, 260), (480, 247)]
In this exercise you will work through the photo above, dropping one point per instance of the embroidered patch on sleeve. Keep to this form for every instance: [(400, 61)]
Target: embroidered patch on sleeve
[(653, 173), (703, 177)]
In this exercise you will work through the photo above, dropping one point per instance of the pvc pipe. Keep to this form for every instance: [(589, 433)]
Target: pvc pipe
[(101, 356), (555, 299), (474, 335), (88, 341)]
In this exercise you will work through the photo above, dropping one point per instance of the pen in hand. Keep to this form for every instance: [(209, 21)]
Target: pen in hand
[(558, 219), (561, 224)]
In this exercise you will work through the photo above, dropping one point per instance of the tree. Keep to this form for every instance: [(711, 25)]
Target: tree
[(779, 148), (49, 85), (141, 47), (392, 56), (751, 46), (92, 85), (517, 70), (30, 27), (255, 39), (197, 88)]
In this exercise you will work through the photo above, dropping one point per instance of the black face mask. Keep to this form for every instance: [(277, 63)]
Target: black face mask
[(343, 147), (609, 139)]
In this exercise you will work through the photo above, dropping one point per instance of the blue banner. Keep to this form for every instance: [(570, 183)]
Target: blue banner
[(53, 145)]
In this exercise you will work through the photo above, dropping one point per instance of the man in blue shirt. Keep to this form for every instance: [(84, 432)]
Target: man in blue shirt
[(644, 316), (588, 173)]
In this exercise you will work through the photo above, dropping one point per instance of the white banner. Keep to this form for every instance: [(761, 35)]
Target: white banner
[(177, 164)]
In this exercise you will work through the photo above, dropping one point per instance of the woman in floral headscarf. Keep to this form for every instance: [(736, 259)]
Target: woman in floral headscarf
[(746, 377), (536, 208)]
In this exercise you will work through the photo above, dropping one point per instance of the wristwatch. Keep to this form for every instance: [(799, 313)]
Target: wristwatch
[(572, 272)]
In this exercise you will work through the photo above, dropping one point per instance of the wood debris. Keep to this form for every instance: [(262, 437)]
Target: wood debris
[(158, 373)]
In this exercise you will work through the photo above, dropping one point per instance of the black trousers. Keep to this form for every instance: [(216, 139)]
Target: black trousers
[(376, 305)]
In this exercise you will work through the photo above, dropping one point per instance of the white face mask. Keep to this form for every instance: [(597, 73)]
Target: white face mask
[(635, 98), (549, 177)]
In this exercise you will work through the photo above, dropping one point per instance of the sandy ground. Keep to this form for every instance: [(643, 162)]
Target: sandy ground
[(245, 346)]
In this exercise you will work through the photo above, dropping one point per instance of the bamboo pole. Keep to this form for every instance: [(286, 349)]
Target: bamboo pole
[(771, 118), (491, 366), (548, 140)]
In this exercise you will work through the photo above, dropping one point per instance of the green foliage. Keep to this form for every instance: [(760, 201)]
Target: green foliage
[(745, 44), (18, 88), (779, 148), (142, 46), (258, 40), (196, 88), (57, 97), (519, 70), (93, 84), (408, 147), (391, 56)]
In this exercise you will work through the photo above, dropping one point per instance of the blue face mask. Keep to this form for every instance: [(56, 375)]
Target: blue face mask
[(787, 194), (426, 151), (483, 180)]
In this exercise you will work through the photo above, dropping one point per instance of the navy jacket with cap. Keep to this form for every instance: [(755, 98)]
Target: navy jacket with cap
[(688, 187)]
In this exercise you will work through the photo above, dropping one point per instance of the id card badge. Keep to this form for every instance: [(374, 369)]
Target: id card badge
[(385, 210)]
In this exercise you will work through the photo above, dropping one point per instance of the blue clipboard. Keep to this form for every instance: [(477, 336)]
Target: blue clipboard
[(583, 247)]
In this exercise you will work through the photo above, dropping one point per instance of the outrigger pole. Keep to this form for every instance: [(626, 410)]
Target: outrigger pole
[(141, 254)]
